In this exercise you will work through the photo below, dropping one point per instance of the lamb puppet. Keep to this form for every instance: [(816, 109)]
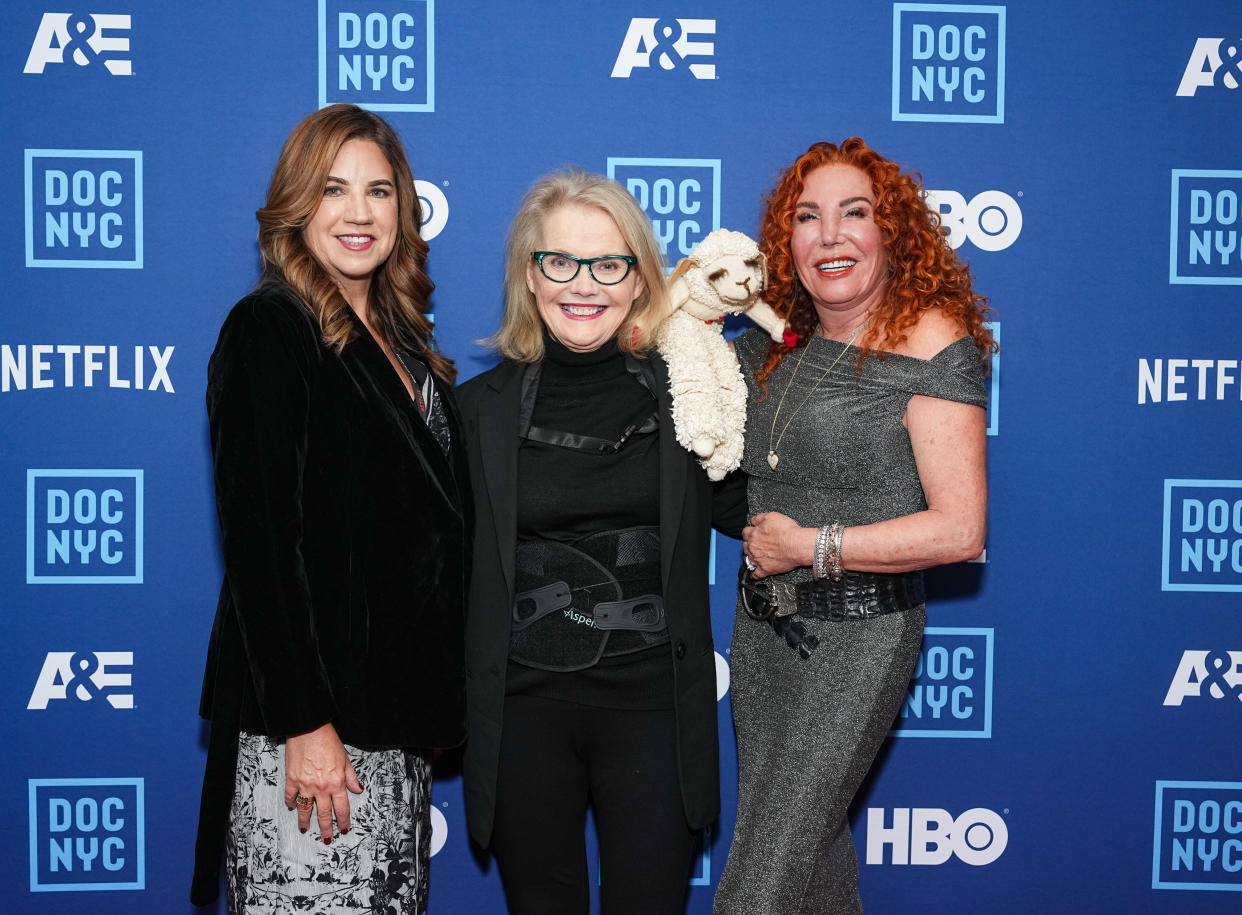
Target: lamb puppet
[(724, 274)]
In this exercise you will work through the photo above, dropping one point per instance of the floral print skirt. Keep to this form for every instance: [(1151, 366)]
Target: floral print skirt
[(381, 865)]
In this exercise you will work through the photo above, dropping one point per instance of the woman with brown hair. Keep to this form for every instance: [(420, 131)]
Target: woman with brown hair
[(336, 660), (865, 451)]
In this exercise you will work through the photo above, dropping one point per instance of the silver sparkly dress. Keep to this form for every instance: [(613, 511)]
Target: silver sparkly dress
[(808, 728)]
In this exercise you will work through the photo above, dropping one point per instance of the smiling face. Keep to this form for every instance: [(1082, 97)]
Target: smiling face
[(838, 250), (354, 228), (582, 315)]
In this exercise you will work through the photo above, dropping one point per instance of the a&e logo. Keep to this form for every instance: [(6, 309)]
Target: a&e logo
[(87, 39), (1206, 675), (1205, 244), (681, 196), (948, 63), (87, 834), (378, 54), (930, 835), (1213, 62), (1198, 836), (1202, 535), (950, 694), (83, 527), (667, 43), (85, 675), (83, 208)]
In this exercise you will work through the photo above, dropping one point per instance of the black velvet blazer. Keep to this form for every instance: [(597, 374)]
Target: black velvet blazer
[(690, 505), (346, 534)]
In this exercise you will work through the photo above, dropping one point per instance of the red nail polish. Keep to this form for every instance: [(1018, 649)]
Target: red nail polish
[(327, 840), (303, 828)]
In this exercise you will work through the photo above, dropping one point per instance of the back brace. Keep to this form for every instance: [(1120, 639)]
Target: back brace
[(597, 597)]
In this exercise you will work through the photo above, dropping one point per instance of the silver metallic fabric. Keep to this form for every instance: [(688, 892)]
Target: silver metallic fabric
[(810, 723)]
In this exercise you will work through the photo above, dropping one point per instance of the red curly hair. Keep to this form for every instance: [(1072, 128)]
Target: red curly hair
[(924, 272)]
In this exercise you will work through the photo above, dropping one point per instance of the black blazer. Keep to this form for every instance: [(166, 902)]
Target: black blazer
[(346, 535), (689, 506)]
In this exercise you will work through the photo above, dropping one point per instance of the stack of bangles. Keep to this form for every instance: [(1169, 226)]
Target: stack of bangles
[(828, 552)]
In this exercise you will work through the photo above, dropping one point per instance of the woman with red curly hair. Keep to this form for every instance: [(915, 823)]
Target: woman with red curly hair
[(865, 448)]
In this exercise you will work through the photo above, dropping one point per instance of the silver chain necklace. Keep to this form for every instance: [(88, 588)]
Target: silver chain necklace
[(773, 457)]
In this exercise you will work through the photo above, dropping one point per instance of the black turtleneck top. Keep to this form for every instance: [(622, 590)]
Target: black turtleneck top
[(564, 493)]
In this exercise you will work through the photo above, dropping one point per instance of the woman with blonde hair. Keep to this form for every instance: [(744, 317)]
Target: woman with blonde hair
[(591, 670), (335, 666)]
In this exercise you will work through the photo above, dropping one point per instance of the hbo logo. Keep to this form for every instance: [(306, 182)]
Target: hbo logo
[(929, 835), (992, 220), (87, 816), (84, 188), (666, 198), (71, 518), (378, 33)]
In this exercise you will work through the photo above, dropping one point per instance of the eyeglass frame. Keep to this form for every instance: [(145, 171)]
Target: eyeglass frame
[(630, 260)]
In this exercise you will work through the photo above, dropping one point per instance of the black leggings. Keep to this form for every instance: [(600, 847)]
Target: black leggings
[(556, 755)]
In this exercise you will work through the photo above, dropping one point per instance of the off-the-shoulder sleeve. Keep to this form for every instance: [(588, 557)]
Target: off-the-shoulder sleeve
[(955, 373), (259, 385)]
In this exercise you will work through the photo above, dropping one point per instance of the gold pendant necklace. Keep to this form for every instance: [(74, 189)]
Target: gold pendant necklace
[(773, 457)]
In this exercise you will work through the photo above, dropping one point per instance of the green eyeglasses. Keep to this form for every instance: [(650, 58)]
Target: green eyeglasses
[(561, 268)]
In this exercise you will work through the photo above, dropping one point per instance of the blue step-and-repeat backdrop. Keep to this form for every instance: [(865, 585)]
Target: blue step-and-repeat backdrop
[(1071, 739)]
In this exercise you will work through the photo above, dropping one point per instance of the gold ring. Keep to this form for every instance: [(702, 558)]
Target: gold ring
[(303, 801)]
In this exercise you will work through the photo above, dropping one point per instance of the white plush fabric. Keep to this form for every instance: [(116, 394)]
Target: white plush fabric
[(725, 274)]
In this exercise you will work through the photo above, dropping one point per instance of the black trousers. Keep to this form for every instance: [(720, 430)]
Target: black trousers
[(555, 758)]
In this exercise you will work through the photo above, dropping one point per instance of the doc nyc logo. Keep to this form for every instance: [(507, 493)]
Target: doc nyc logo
[(930, 835), (948, 63), (83, 527), (682, 197), (994, 382), (83, 676), (950, 694), (1202, 535), (667, 44), (83, 39), (991, 220), (83, 208), (1198, 836), (1214, 62), (1205, 243), (378, 54), (1208, 675), (87, 834)]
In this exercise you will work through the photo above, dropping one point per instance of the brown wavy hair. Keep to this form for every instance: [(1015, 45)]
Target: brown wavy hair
[(400, 293), (924, 272)]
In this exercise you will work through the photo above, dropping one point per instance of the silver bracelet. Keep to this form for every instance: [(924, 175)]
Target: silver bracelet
[(819, 565), (835, 571)]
